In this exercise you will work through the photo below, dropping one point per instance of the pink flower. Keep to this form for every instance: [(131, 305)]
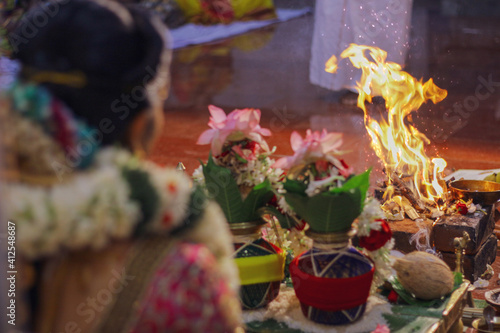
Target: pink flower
[(248, 152), (236, 126), (314, 147), (382, 329)]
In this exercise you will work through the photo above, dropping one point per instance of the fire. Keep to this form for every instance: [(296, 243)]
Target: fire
[(331, 65), (398, 144)]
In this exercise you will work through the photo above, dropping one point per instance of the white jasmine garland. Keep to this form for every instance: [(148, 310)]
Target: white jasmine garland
[(382, 262), (317, 186), (285, 207), (198, 176), (92, 208), (369, 220), (174, 189), (251, 173)]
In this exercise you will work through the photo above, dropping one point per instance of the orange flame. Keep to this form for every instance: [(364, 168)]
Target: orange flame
[(331, 65), (396, 142)]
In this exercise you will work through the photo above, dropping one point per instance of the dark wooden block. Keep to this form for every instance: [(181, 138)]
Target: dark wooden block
[(403, 231), (475, 265), (447, 228)]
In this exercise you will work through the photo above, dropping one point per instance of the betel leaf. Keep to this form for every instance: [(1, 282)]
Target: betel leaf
[(360, 182), (294, 186), (410, 298), (285, 221), (260, 195), (222, 187), (333, 212), (298, 202), (330, 211)]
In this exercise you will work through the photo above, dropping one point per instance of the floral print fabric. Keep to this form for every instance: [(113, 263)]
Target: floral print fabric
[(188, 294)]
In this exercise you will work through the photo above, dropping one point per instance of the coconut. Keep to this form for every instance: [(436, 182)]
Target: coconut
[(424, 275)]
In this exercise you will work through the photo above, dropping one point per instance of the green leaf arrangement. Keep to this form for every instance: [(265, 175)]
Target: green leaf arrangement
[(329, 211), (143, 192), (222, 187), (409, 298)]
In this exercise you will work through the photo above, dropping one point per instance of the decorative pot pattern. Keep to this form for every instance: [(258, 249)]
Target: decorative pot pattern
[(332, 280), (260, 265)]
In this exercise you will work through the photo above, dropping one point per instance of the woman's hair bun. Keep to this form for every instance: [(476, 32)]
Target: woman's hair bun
[(116, 49), (108, 42)]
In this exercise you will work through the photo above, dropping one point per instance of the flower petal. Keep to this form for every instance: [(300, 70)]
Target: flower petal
[(257, 138), (217, 144), (296, 141), (217, 114), (253, 118), (283, 163), (331, 142), (206, 137), (263, 131)]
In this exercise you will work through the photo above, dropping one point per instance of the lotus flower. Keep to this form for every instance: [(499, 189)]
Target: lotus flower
[(236, 126), (314, 147)]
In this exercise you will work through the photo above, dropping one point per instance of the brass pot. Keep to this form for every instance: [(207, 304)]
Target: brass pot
[(480, 191), (480, 325)]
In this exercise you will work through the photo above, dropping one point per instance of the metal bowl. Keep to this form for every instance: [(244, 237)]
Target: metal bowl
[(480, 191), (492, 297), (481, 327)]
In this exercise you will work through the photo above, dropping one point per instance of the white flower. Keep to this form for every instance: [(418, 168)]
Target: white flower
[(112, 156), (174, 189), (382, 262), (86, 211), (480, 283), (198, 176), (316, 186), (367, 220)]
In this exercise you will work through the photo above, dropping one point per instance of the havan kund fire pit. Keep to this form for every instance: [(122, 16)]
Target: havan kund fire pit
[(423, 213)]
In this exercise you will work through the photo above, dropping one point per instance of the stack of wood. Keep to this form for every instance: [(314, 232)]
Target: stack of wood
[(410, 218), (480, 250), (404, 200)]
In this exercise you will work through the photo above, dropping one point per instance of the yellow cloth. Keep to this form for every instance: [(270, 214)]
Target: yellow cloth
[(242, 9), (261, 269)]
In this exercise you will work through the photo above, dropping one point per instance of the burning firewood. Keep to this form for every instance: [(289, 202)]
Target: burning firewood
[(396, 208), (408, 194)]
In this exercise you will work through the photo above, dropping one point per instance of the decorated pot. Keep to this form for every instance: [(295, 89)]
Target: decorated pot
[(332, 280), (260, 264)]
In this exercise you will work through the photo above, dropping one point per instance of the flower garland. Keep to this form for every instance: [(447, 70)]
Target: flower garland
[(117, 196), (375, 237), (93, 207), (36, 104)]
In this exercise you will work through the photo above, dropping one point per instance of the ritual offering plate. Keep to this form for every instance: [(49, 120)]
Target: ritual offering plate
[(492, 297), (480, 191)]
